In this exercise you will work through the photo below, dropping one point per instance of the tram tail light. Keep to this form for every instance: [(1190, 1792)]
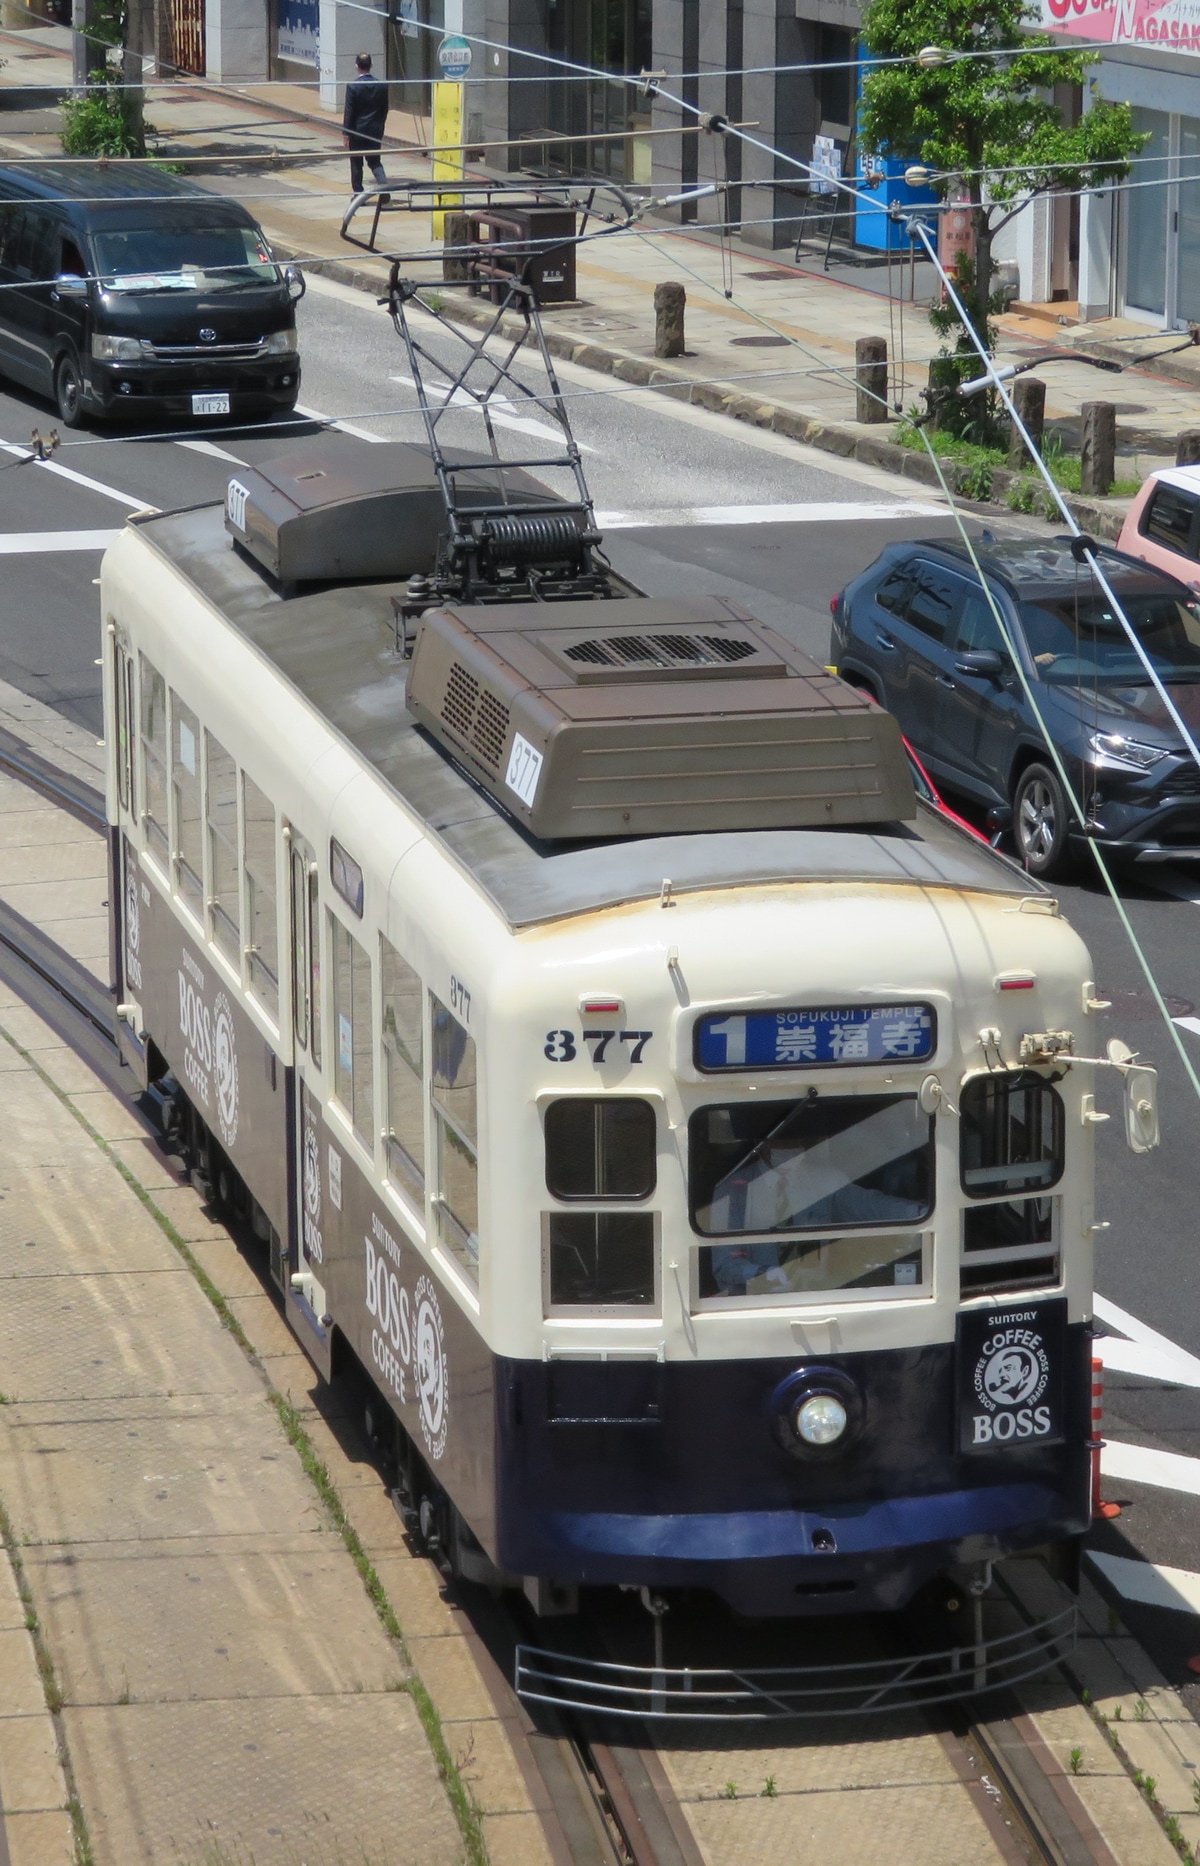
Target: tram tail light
[(602, 1004)]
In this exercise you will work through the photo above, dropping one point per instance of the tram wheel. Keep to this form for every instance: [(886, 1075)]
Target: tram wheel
[(1040, 823)]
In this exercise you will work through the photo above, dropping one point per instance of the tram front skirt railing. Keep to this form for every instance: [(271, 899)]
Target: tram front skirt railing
[(602, 1687)]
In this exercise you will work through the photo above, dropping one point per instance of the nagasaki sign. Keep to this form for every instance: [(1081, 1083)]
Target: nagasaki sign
[(1172, 24)]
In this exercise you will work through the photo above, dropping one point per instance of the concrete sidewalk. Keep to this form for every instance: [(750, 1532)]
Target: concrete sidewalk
[(769, 341)]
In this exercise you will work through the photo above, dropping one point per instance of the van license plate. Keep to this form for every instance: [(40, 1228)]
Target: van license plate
[(210, 404)]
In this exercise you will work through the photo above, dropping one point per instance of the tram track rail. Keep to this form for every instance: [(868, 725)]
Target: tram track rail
[(603, 1800)]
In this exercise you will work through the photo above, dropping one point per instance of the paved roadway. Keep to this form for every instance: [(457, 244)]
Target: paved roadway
[(687, 471)]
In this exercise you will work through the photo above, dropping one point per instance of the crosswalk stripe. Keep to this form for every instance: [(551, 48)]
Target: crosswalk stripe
[(1139, 1349), (18, 543), (1152, 1585), (817, 513), (1141, 1464)]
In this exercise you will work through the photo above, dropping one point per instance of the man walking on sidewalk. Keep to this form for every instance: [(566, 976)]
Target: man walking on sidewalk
[(363, 121)]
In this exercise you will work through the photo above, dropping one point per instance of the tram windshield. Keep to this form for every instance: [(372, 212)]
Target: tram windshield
[(805, 1165)]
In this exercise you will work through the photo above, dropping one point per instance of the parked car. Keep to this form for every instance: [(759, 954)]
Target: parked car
[(130, 292), (1162, 526), (916, 629)]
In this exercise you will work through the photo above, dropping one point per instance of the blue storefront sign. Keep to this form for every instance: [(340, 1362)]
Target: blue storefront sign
[(806, 1039), (297, 33)]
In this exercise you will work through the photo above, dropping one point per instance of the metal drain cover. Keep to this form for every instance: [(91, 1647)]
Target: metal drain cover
[(762, 343)]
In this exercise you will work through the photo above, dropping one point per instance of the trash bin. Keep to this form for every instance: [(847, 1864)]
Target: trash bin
[(525, 232)]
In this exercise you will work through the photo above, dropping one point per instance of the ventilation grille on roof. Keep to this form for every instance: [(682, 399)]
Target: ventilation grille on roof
[(478, 720), (660, 650), (596, 656)]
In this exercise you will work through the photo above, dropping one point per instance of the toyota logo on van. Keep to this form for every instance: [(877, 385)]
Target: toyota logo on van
[(207, 335)]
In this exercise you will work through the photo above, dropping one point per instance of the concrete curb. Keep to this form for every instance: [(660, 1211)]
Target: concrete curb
[(846, 441)]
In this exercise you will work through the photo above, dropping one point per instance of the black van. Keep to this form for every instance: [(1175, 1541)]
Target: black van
[(131, 292)]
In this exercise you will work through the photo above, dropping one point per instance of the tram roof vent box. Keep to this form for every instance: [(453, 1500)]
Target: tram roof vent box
[(347, 511), (648, 716)]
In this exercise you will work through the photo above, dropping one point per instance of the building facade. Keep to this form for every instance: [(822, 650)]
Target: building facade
[(1139, 245)]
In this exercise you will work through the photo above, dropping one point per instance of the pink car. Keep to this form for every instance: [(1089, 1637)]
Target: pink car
[(1163, 524)]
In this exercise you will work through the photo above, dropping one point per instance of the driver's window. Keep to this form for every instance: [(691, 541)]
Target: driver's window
[(978, 629), (72, 260)]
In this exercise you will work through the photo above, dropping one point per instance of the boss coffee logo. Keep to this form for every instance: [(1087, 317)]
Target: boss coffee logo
[(1010, 1364)]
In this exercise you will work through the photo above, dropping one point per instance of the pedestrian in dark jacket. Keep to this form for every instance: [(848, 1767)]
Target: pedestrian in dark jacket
[(363, 120)]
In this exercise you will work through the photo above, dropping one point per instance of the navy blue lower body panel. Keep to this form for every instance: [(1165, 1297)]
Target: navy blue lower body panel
[(689, 1482)]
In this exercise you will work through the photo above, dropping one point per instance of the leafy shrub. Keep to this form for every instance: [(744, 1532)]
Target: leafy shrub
[(104, 122)]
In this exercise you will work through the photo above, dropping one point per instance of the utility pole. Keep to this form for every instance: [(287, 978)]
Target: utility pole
[(83, 49)]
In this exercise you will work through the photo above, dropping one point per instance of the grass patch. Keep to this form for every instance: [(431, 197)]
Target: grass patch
[(465, 1812), (1026, 494)]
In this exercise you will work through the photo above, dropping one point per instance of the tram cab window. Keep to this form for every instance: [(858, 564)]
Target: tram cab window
[(403, 1062), (454, 1092), (820, 1164), (188, 861), (600, 1148), (262, 942), (1012, 1134), (353, 1064), (154, 760), (1010, 1245)]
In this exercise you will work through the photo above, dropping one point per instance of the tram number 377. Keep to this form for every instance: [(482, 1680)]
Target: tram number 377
[(561, 1045)]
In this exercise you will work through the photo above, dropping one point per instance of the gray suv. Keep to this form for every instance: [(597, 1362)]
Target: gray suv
[(917, 630)]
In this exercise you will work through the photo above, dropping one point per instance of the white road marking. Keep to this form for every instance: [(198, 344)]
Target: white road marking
[(1188, 1023), (1139, 1464), (211, 448), (500, 409), (801, 514), (346, 427), (17, 543), (135, 502), (1153, 1586), (1143, 1351)]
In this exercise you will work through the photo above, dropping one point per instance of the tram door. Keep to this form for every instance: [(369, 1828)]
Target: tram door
[(306, 1026)]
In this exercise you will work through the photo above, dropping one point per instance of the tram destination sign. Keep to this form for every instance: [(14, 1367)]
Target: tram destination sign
[(833, 1035)]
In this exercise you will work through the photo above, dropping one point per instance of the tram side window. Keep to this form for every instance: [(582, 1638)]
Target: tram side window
[(185, 797), (403, 1053), (262, 943), (224, 904), (453, 1089), (123, 698), (154, 760), (781, 1183), (1012, 1132), (353, 1073), (600, 1148)]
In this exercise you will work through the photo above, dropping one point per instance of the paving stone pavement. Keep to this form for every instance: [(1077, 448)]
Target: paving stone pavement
[(228, 1691)]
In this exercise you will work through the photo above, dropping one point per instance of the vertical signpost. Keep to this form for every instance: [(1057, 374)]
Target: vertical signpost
[(454, 62)]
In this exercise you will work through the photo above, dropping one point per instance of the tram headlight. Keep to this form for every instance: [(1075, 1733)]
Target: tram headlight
[(820, 1419)]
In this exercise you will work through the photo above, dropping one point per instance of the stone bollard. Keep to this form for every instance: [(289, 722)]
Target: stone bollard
[(457, 233), (1098, 447), (669, 301), (871, 378), (1187, 448), (1029, 395)]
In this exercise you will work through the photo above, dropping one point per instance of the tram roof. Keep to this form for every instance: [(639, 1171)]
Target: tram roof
[(336, 647)]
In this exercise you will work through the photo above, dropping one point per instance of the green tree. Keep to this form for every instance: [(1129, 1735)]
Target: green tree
[(986, 126)]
